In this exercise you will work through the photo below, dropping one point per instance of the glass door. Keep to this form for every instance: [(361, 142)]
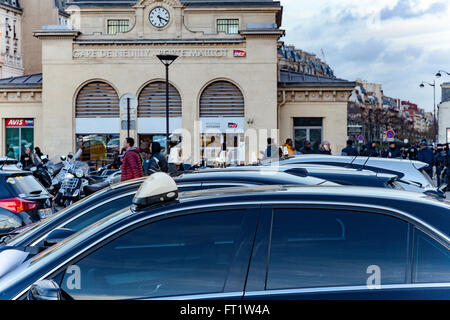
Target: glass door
[(311, 134), (13, 143)]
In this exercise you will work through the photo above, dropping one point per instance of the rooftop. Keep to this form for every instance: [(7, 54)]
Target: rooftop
[(27, 81), (297, 79), (11, 3)]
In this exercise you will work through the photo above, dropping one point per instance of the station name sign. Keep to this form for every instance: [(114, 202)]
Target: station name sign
[(149, 53)]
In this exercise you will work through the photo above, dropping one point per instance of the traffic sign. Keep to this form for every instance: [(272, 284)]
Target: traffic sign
[(361, 138), (390, 134)]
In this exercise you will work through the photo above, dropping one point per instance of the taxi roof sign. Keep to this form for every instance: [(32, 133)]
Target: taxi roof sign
[(156, 189)]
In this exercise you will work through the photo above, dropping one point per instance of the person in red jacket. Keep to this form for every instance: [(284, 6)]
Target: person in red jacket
[(131, 161)]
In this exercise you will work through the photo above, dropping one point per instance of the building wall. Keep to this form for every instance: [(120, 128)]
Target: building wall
[(36, 13), (21, 104), (334, 125), (11, 63)]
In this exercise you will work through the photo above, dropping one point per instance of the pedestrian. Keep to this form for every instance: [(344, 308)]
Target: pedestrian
[(271, 150), (440, 161), (393, 152), (325, 148), (413, 152), (306, 148), (36, 156), (26, 159), (349, 150), (426, 155), (131, 161), (157, 161), (174, 162), (288, 148)]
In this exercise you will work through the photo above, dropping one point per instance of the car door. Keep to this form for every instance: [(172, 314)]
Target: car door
[(314, 252), (201, 254)]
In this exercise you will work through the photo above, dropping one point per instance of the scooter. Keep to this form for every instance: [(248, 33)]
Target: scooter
[(41, 172), (70, 182)]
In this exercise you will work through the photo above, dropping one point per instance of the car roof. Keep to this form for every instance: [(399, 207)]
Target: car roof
[(429, 209), (252, 175), (348, 159)]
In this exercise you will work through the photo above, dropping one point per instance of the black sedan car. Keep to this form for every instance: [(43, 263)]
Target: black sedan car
[(23, 200), (266, 242), (117, 197)]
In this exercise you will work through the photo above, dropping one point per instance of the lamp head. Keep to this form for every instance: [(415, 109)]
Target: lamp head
[(422, 85), (439, 74), (167, 59)]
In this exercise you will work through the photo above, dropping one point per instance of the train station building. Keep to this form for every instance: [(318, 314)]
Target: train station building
[(233, 83)]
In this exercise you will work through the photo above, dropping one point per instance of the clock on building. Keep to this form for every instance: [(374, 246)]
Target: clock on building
[(159, 17)]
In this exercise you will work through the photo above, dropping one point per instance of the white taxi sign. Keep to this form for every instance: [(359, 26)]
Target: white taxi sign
[(158, 188)]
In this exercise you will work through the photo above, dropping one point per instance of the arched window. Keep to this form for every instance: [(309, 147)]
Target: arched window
[(222, 99), (152, 101), (97, 100)]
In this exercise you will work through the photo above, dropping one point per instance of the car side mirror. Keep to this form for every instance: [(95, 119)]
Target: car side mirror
[(63, 158), (443, 188), (57, 235), (44, 290)]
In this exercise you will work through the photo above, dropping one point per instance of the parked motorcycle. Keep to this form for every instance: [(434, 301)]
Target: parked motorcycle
[(70, 181), (41, 172)]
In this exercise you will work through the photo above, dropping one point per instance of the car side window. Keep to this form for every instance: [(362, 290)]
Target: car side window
[(99, 213), (184, 255), (327, 248), (431, 260)]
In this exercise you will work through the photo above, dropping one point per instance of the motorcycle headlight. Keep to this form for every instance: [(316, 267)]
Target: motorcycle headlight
[(79, 173), (69, 176)]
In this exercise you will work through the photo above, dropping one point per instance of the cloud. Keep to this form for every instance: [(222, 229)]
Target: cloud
[(396, 44), (405, 9)]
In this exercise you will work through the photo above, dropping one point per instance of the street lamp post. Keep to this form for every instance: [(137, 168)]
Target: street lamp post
[(439, 73), (167, 60), (422, 85)]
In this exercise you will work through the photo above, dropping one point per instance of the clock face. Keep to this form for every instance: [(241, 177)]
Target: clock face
[(159, 17)]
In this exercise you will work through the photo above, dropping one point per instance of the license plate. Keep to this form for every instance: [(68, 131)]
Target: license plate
[(45, 213)]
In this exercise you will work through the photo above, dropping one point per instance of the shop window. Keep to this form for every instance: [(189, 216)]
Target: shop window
[(230, 26), (152, 101), (118, 26), (99, 147)]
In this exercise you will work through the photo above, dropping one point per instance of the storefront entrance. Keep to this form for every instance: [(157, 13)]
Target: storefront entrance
[(221, 150), (19, 134)]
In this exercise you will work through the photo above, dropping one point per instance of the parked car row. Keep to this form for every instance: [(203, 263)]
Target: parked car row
[(292, 231)]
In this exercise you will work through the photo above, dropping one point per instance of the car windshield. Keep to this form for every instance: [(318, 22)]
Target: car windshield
[(24, 234), (26, 185)]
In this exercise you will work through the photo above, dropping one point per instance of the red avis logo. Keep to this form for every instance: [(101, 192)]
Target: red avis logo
[(232, 125), (15, 122), (239, 53)]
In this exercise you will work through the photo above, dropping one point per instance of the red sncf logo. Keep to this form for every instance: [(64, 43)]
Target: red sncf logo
[(239, 53)]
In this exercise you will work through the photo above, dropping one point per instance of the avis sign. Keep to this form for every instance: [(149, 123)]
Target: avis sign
[(17, 123)]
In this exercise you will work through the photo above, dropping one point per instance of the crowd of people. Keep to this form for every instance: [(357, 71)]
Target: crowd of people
[(436, 157), (134, 164)]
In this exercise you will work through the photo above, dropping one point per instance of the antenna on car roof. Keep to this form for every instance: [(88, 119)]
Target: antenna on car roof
[(351, 163), (365, 163)]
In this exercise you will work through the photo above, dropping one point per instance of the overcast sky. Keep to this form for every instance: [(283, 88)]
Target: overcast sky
[(398, 43)]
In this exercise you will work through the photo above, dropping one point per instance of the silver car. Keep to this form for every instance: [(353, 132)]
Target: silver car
[(411, 174)]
